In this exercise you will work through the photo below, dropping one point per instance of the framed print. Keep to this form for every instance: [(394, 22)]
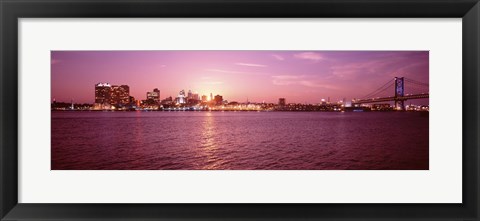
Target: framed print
[(239, 110)]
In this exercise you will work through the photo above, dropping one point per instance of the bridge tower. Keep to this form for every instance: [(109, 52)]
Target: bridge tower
[(399, 93)]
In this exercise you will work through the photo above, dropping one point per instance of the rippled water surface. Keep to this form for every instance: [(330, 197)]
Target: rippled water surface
[(239, 140)]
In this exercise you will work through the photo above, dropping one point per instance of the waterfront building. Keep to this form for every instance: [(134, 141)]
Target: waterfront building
[(323, 102), (181, 99), (424, 108), (102, 93), (102, 96), (167, 100), (281, 102), (102, 106), (196, 96), (218, 99), (192, 98), (189, 95), (154, 95), (120, 95), (204, 98), (382, 107)]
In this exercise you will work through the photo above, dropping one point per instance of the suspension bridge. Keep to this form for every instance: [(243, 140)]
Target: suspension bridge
[(403, 88)]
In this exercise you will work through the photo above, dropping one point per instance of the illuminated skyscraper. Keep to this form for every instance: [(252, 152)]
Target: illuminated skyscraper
[(154, 95), (102, 93), (120, 95)]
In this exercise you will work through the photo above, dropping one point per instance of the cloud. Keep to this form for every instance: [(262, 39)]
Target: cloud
[(225, 71), (378, 68), (251, 65), (278, 57), (312, 56), (303, 80), (232, 72)]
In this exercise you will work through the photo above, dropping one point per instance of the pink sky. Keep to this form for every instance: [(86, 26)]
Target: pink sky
[(299, 76)]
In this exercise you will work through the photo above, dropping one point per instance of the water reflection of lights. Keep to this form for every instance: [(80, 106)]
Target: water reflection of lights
[(209, 148)]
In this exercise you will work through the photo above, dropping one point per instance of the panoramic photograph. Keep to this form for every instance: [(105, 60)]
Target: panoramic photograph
[(239, 110)]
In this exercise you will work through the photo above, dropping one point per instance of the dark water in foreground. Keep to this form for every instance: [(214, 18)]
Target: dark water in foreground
[(239, 140)]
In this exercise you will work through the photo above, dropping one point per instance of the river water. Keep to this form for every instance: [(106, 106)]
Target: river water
[(239, 141)]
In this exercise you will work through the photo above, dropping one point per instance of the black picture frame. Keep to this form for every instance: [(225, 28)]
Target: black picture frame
[(12, 10)]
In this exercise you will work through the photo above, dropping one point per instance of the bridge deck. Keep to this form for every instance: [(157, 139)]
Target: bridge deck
[(387, 99)]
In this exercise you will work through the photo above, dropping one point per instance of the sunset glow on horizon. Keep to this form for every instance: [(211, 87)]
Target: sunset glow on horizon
[(257, 76)]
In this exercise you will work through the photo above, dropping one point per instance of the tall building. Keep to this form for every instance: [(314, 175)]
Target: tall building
[(181, 99), (154, 95), (204, 98), (218, 99), (211, 97), (102, 93), (281, 102), (190, 95), (120, 95), (196, 96)]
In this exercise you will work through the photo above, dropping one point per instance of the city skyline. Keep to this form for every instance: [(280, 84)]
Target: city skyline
[(258, 76)]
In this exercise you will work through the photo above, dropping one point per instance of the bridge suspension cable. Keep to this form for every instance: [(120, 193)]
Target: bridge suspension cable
[(416, 82), (380, 89), (415, 89)]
